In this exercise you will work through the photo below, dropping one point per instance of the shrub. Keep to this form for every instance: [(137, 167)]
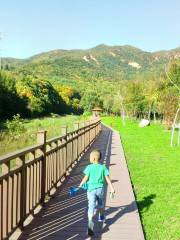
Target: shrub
[(15, 126)]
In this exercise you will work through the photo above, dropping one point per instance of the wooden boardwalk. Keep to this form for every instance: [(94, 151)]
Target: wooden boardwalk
[(65, 218)]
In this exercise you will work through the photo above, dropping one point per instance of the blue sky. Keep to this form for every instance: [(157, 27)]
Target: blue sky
[(31, 27)]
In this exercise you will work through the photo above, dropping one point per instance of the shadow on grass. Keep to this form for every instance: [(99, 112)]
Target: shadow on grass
[(145, 204)]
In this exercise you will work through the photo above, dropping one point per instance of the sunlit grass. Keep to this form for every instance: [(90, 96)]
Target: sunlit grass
[(9, 143), (155, 172)]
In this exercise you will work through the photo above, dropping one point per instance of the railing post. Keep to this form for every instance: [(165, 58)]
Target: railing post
[(41, 139), (21, 160), (4, 168), (76, 127), (4, 204), (64, 131), (84, 137), (88, 134)]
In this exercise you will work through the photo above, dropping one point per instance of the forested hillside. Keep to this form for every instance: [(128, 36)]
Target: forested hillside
[(120, 79), (102, 62)]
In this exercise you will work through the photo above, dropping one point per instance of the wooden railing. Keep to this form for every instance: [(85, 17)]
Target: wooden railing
[(29, 175)]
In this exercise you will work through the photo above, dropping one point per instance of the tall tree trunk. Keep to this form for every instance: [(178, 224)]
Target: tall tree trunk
[(173, 128), (154, 116), (123, 116), (149, 114)]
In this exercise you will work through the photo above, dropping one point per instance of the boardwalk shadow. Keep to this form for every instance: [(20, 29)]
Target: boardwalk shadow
[(114, 180), (65, 217), (112, 164), (143, 205)]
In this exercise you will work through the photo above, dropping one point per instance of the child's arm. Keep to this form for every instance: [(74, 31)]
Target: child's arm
[(108, 180), (84, 180)]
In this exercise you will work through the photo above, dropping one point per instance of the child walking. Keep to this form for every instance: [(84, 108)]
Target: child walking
[(95, 173)]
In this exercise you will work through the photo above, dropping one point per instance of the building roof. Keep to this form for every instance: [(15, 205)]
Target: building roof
[(97, 109)]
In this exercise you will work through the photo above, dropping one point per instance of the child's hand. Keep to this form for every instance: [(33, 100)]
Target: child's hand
[(112, 190), (112, 195)]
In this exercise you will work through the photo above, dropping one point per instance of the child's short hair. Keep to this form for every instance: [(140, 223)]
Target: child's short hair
[(95, 155)]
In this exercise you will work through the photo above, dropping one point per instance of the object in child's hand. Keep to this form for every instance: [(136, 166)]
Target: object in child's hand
[(73, 191), (111, 194)]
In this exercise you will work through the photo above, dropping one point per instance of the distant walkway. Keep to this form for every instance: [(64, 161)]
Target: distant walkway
[(65, 218)]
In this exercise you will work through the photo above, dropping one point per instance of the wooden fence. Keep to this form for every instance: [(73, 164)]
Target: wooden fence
[(28, 176)]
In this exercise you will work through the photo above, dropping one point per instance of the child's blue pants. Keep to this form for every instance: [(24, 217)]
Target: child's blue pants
[(95, 198)]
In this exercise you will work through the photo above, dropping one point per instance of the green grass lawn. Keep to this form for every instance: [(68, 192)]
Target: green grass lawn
[(9, 143), (155, 173)]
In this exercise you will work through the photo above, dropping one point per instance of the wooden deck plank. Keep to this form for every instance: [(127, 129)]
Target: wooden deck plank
[(65, 217)]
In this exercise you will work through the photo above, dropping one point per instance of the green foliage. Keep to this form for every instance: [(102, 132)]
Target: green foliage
[(87, 114), (31, 96), (173, 78), (15, 126), (91, 99), (76, 81), (41, 96), (135, 99), (111, 64), (108, 104), (71, 97), (147, 99), (10, 102), (169, 93)]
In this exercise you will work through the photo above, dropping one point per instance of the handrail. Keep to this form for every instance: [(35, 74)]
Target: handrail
[(13, 155), (28, 175)]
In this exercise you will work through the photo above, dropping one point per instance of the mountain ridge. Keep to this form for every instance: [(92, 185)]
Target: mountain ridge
[(111, 63), (96, 47)]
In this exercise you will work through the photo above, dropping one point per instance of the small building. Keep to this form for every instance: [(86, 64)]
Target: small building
[(96, 112)]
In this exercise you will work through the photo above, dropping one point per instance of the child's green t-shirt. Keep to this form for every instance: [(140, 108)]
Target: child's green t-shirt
[(96, 173)]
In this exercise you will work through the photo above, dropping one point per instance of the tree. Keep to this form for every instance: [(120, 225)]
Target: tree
[(90, 99), (41, 96), (10, 102), (135, 99), (170, 92), (108, 104), (71, 97)]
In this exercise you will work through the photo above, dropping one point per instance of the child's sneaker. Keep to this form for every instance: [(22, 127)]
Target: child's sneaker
[(90, 232), (101, 218), (95, 211)]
